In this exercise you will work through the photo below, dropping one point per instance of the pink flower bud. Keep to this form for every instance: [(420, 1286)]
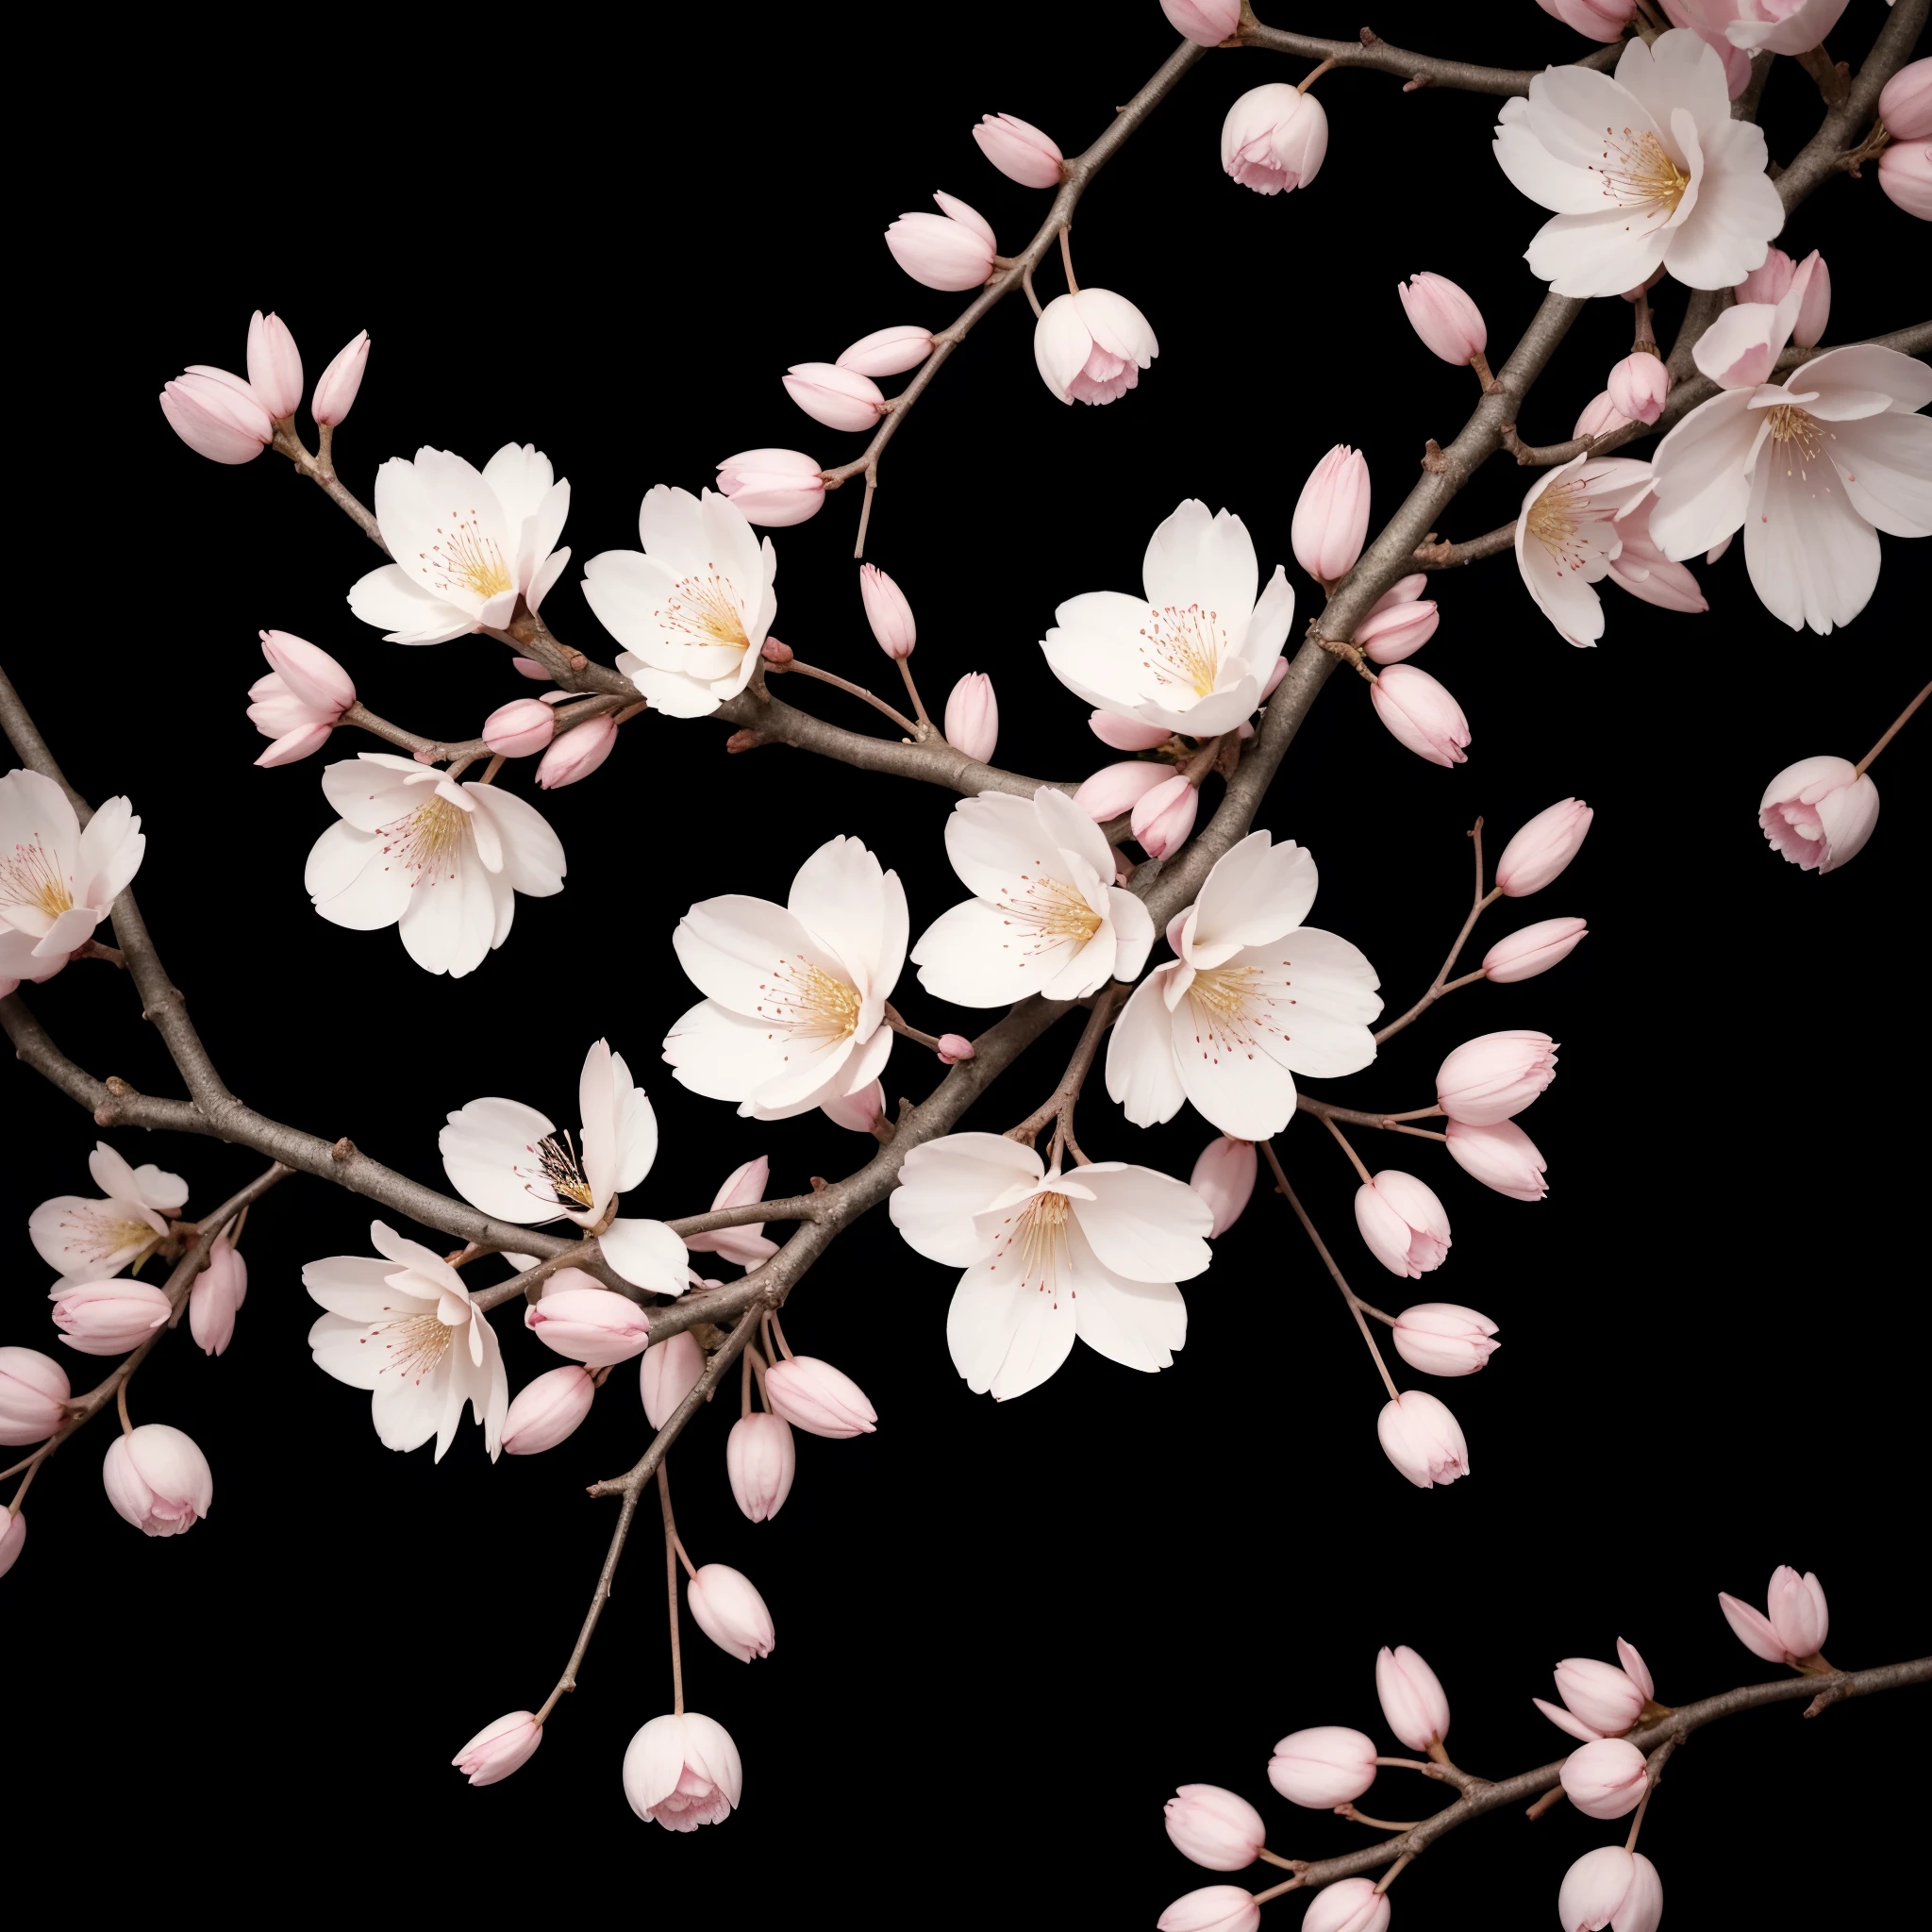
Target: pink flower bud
[(1019, 150), (973, 717), (1442, 1338), (1403, 1223), (889, 351), (1274, 139), (1501, 1156), (839, 398), (577, 752), (745, 1244), (1163, 818), (773, 652), (529, 667), (668, 1373), (335, 390), (773, 488), (1422, 1439), (1393, 631), (1604, 1698), (1904, 103), (1115, 789), (1769, 282), (1450, 324), (158, 1480), (1331, 516), (580, 1317), (954, 1047), (1128, 734), (730, 1612), (217, 1292), (814, 1396), (761, 1458), (13, 1538), (1206, 23), (1350, 1905), (1814, 306), (1638, 387), (1421, 714), (34, 1393), (1796, 1629), (1225, 1178), (517, 729), (274, 365), (1612, 1887), (1215, 1829), (310, 675), (857, 1111), (548, 1410), (1604, 1779), (1905, 172), (1533, 950), (1542, 847), (1601, 20), (888, 612), (1414, 1704), (952, 250), (1091, 346), (1324, 1767), (217, 415), (506, 1745), (1820, 811), (1214, 1908), (684, 1772), (1599, 417), (1495, 1075), (110, 1317)]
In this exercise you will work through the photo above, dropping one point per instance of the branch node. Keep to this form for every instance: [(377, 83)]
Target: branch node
[(745, 740), (344, 1149), (1433, 460)]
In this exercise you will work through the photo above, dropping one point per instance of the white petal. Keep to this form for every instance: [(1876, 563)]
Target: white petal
[(1006, 1336), (946, 1182), (839, 897), (1702, 486), (351, 880), (1227, 1076), (974, 955), (404, 611), (1255, 892), (646, 1254), (1137, 1324), (1884, 463), (722, 1055), (737, 951), (1813, 559), (1142, 1224), (1140, 1070), (483, 1146), (1600, 253)]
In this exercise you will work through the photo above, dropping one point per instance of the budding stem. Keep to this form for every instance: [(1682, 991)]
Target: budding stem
[(671, 1584), (1892, 729)]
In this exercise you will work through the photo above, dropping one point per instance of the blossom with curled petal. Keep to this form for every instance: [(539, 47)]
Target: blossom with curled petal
[(57, 882), (1568, 538), (91, 1239)]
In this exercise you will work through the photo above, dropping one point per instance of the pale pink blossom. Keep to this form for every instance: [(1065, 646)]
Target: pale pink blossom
[(1403, 1223), (745, 1244), (1117, 788), (951, 250), (1904, 103), (1905, 172), (1216, 1828), (1422, 1439), (1091, 345), (1604, 1779), (1495, 1075), (12, 1537), (1638, 387), (761, 1459), (1274, 139), (1206, 23), (1771, 283), (1534, 949), (858, 1111), (1450, 324), (520, 727), (1442, 1338), (1601, 1700), (973, 717), (1163, 817), (839, 398), (548, 1410), (1501, 1156), (33, 1396), (773, 488), (88, 1238), (217, 414), (1421, 714), (1331, 515), (1599, 417), (1414, 1704), (159, 1479), (1708, 20), (888, 351), (500, 1748), (1399, 624), (668, 1373), (1126, 733), (684, 1772), (577, 752), (1610, 1888), (1776, 26), (1323, 1767), (730, 1612), (56, 881), (1224, 1178), (110, 1317), (888, 611), (1567, 537), (1601, 20), (1350, 1905), (300, 701), (1818, 812), (1019, 150), (1795, 1630), (1214, 1908), (336, 385), (1641, 568), (274, 365), (217, 1292), (814, 1396), (588, 1322), (1542, 847)]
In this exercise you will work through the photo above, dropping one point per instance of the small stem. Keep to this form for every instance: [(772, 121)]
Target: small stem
[(1480, 364), (779, 1329), (1275, 1858), (1409, 1764), (1355, 1159), (1380, 1823), (918, 703), (872, 484), (490, 770), (899, 1025), (670, 1585), (1892, 729), (857, 690), (1309, 80), (1394, 1872), (1415, 1113), (745, 1386), (691, 1569), (1067, 257), (121, 1404), (1026, 283), (1637, 1818), (1286, 1886), (1550, 1799), (1420, 1133)]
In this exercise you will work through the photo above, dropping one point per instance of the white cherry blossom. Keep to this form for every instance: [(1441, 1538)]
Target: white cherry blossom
[(1568, 538), (1195, 654), (1255, 998), (1642, 170), (692, 608), (793, 1013), (467, 544), (1095, 1252), (440, 861), (56, 881), (512, 1162), (405, 1328), (1046, 916), (89, 1239)]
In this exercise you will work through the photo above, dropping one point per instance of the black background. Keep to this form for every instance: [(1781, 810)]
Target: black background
[(1005, 1632)]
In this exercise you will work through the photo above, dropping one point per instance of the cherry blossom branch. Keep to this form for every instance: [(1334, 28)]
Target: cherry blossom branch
[(435, 751), (1415, 70), (1435, 554), (1442, 983), (857, 691), (1818, 160)]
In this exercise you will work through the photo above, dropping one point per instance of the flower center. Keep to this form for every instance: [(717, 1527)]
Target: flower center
[(29, 877), (415, 1344), (1801, 432), (462, 559), (103, 1231), (1185, 647), (1055, 911), (1233, 1006), (808, 1001), (705, 610), (558, 1169), (1033, 1242), (427, 839), (1639, 174), (1554, 519)]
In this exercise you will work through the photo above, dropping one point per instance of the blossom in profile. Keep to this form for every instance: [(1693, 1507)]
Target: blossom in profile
[(684, 1772), (57, 882), (90, 1238), (1818, 812), (1091, 345), (1568, 538), (159, 1479)]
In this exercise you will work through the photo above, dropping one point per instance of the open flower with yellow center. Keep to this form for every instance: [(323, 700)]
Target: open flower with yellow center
[(405, 1328), (1048, 1256), (509, 1160), (1642, 170), (442, 862), (90, 1238), (56, 881), (1255, 998), (1195, 654), (693, 608), (467, 544), (793, 1013), (1045, 916), (1568, 538)]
